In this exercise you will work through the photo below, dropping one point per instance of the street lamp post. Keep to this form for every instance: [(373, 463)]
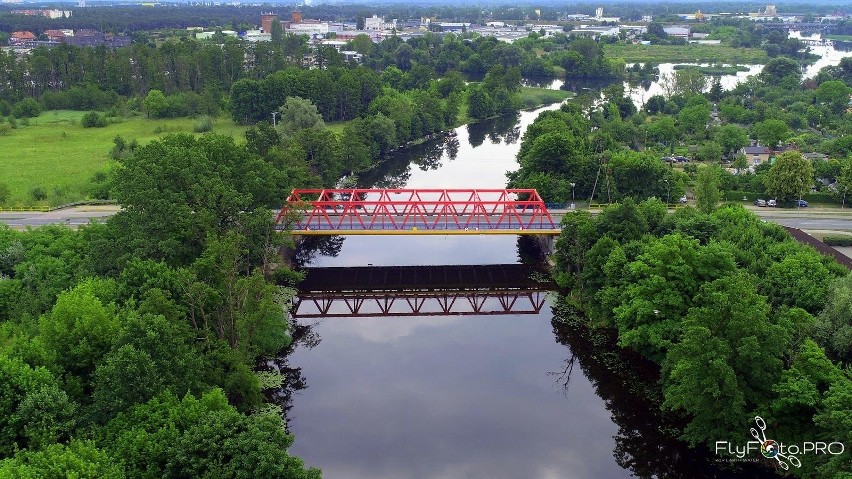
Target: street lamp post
[(668, 193), (572, 196)]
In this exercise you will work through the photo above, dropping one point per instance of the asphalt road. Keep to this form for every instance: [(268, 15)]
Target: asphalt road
[(807, 218)]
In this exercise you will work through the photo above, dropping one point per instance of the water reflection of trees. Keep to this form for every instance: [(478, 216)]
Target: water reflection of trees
[(646, 442), (503, 129), (304, 336), (310, 246)]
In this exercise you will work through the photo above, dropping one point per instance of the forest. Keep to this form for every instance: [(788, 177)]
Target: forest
[(739, 318)]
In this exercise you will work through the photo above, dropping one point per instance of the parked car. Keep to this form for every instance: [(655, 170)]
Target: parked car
[(800, 203), (667, 159), (681, 159), (760, 202), (683, 200), (772, 203)]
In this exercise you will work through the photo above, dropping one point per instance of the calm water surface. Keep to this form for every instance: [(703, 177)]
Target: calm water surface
[(450, 397)]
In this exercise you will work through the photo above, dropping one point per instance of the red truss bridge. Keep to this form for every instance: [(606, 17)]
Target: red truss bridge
[(416, 212)]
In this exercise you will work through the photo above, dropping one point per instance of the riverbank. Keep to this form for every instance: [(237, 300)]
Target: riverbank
[(55, 154), (684, 53)]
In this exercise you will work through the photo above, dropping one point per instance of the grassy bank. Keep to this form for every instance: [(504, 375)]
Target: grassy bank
[(532, 97), (59, 156), (841, 38), (714, 70), (685, 53)]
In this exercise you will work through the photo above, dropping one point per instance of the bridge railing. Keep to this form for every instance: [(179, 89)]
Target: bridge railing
[(412, 209)]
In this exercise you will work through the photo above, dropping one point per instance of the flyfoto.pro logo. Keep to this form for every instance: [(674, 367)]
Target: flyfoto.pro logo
[(783, 453)]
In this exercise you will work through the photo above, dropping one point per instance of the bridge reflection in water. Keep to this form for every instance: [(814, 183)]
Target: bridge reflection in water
[(470, 290)]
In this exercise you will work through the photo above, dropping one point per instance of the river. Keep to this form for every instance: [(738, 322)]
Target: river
[(476, 396), (471, 396)]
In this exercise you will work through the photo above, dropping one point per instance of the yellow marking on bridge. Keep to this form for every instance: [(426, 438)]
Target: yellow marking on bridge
[(418, 231)]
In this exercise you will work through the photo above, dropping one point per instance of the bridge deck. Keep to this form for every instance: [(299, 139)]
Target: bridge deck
[(420, 278)]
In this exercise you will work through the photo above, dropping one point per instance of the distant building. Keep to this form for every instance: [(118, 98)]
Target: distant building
[(378, 24), (308, 28), (47, 13), (647, 18), (254, 36), (595, 31), (771, 11), (266, 21), (350, 56), (454, 27), (599, 12), (680, 31), (496, 24), (55, 35), (757, 154), (19, 38), (94, 38)]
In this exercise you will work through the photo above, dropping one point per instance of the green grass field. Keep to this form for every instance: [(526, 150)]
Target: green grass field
[(534, 97), (58, 155), (685, 53)]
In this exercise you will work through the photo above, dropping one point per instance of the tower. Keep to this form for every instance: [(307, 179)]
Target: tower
[(266, 20)]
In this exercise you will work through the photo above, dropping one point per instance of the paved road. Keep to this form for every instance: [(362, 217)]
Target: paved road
[(808, 218), (77, 216)]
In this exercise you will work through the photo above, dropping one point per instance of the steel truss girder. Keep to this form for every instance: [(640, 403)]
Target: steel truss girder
[(415, 209), (418, 303)]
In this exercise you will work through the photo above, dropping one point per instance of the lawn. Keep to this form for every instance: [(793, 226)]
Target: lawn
[(685, 53), (58, 155)]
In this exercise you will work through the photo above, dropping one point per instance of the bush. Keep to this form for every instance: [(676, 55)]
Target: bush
[(838, 240), (26, 108), (5, 108), (204, 124), (38, 194), (5, 193), (93, 119), (5, 129)]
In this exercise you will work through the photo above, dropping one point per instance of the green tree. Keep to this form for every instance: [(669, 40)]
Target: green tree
[(80, 328), (771, 132), (709, 151), (728, 360), (179, 190), (206, 437), (156, 104), (663, 130), (790, 177), (731, 138), (26, 108), (80, 459), (34, 411), (479, 104), (834, 330), (694, 119), (834, 94), (707, 191), (298, 114)]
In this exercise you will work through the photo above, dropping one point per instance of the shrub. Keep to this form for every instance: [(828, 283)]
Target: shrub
[(37, 193), (93, 119), (5, 193), (838, 240), (5, 108), (204, 124), (26, 108), (5, 129)]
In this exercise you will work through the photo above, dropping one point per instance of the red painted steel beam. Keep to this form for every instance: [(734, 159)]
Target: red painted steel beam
[(405, 209)]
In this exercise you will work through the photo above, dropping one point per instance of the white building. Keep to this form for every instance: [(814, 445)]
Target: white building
[(378, 24), (681, 31), (257, 36), (308, 28), (595, 31)]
